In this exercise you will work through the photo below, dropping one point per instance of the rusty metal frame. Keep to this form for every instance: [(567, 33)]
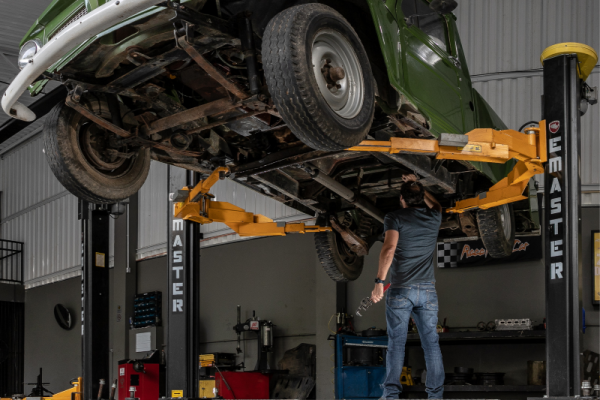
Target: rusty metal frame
[(192, 114), (122, 132), (211, 70)]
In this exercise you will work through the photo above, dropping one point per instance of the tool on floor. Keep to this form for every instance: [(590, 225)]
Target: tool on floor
[(367, 302), (406, 377)]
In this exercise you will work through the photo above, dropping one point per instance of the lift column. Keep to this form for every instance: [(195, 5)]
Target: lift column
[(184, 293), (562, 221), (94, 298)]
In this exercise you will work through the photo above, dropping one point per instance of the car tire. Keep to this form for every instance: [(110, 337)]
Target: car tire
[(337, 260), (70, 143), (301, 46), (497, 230)]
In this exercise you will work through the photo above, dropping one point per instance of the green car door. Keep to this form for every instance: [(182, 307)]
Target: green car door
[(432, 72)]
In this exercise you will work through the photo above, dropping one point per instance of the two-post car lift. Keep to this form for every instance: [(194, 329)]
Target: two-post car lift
[(555, 143)]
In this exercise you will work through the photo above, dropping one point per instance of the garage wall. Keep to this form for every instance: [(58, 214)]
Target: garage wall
[(37, 210), (274, 276), (503, 41), (47, 345)]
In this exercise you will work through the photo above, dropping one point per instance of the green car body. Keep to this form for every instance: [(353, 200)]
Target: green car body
[(434, 81)]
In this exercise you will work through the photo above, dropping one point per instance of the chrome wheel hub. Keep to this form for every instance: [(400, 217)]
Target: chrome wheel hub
[(338, 73)]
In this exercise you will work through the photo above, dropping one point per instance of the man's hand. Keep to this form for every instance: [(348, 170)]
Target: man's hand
[(409, 178), (377, 293)]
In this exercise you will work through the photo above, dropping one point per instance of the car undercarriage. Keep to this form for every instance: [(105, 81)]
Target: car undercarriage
[(189, 87)]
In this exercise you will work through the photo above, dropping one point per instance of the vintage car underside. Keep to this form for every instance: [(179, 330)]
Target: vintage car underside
[(192, 91)]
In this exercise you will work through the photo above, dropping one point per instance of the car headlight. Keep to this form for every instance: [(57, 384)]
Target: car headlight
[(27, 52)]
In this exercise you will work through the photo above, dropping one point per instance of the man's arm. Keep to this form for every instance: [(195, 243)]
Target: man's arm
[(429, 199), (385, 262)]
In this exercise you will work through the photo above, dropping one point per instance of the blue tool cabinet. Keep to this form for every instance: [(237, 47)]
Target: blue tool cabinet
[(358, 382)]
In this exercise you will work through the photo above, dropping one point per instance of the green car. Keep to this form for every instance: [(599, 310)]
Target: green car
[(275, 90)]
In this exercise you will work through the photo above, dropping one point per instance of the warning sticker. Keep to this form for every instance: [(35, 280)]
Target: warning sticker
[(473, 148), (121, 371), (176, 393), (100, 260)]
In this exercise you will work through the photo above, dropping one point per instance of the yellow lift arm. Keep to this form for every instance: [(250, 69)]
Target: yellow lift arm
[(487, 145), (197, 205)]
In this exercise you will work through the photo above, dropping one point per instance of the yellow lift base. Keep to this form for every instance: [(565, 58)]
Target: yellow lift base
[(197, 205), (487, 145), (74, 393)]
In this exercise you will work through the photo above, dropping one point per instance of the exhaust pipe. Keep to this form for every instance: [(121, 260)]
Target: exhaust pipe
[(359, 201)]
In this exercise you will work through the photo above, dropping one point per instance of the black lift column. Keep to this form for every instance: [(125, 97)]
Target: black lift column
[(94, 298), (184, 290), (562, 201)]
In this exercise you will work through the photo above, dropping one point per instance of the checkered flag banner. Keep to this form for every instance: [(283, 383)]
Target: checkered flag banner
[(447, 255)]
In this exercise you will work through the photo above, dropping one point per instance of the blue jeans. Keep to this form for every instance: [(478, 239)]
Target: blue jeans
[(420, 299)]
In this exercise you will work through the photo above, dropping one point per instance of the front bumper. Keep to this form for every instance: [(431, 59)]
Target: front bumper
[(92, 24)]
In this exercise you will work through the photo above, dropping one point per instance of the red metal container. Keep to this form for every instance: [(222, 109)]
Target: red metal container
[(146, 384), (244, 385)]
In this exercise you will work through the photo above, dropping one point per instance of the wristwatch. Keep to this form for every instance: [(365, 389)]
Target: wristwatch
[(377, 280)]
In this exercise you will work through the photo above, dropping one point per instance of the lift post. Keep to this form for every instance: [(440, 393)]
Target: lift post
[(94, 297), (566, 66), (183, 254)]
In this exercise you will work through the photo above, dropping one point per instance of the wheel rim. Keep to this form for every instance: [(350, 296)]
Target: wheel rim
[(344, 251), (338, 73), (93, 144), (505, 221)]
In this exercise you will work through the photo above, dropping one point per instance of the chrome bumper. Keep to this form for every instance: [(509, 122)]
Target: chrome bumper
[(92, 24)]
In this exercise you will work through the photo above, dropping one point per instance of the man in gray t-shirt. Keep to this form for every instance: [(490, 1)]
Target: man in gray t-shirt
[(408, 249)]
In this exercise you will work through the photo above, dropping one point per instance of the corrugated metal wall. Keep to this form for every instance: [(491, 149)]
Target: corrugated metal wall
[(153, 200), (37, 210), (503, 41)]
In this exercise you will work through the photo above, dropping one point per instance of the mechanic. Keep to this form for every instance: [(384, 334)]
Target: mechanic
[(408, 249)]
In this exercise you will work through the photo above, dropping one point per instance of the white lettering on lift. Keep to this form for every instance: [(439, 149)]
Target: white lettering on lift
[(556, 270), (177, 241), (177, 256), (555, 145), (555, 186), (555, 164), (177, 305), (554, 223), (555, 206), (177, 288), (177, 224), (177, 270), (555, 250)]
